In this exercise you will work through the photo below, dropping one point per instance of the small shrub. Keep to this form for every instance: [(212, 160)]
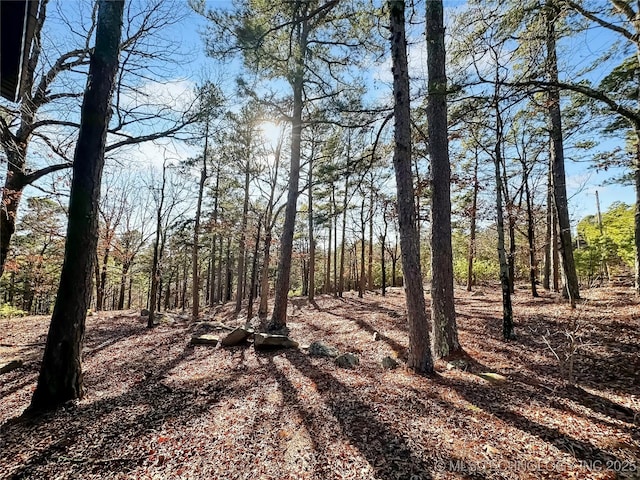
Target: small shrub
[(9, 311)]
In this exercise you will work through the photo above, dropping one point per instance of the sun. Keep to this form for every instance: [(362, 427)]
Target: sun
[(271, 132)]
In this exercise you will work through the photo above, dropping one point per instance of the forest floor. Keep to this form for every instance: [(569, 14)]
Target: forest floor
[(156, 407)]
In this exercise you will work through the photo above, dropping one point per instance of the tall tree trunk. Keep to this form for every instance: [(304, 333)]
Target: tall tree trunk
[(343, 240), (530, 230), (507, 309), (60, 376), (363, 223), (254, 272), (155, 264), (383, 246), (443, 313), (555, 260), (11, 196), (220, 287), (185, 282), (370, 251), (126, 265), (557, 159), (195, 304), (130, 292), (419, 358), (312, 240), (327, 281), (242, 242), (394, 264), (604, 267), (511, 258), (636, 177), (548, 245), (229, 272), (268, 229), (279, 316), (334, 207), (103, 272), (472, 227)]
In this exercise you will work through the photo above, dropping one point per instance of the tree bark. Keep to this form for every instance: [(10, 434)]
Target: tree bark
[(636, 177), (155, 265), (557, 160), (419, 357), (279, 316), (443, 314), (312, 240), (363, 223), (60, 378), (472, 227), (531, 239), (268, 236), (126, 265), (242, 242), (195, 304), (327, 281), (343, 240), (507, 308), (254, 272), (548, 246)]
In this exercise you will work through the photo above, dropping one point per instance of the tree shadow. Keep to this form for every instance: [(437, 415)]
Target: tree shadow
[(387, 451), (56, 433), (492, 400)]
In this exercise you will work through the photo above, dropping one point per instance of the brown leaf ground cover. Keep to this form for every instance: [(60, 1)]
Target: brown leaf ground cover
[(156, 407)]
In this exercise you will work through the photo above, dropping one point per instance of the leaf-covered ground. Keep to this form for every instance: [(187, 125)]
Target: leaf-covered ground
[(156, 407)]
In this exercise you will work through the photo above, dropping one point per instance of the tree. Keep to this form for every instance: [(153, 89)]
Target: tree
[(621, 19), (419, 358), (296, 41), (557, 158), (60, 376), (46, 118), (443, 314)]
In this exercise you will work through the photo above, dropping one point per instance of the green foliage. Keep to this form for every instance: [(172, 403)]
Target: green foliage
[(484, 270), (9, 311), (485, 264), (615, 245)]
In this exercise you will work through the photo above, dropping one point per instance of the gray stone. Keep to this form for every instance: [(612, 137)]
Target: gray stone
[(237, 336), (205, 339), (389, 363), (458, 365), (144, 312), (347, 360), (208, 327), (6, 367), (319, 349), (265, 341)]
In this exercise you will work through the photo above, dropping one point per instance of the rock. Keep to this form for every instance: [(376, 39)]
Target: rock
[(144, 312), (457, 364), (208, 327), (319, 349), (205, 339), (347, 360), (492, 377), (477, 293), (389, 363), (237, 336), (6, 367), (265, 341), (376, 336)]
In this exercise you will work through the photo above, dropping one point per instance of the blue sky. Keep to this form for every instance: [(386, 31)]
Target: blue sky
[(582, 179)]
